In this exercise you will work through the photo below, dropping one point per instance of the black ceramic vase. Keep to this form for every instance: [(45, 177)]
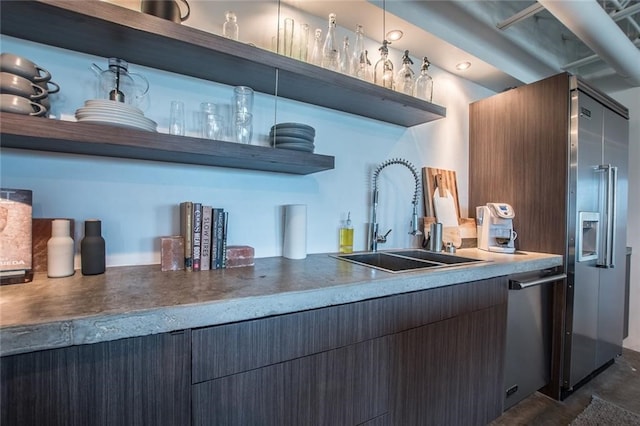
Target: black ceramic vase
[(92, 248)]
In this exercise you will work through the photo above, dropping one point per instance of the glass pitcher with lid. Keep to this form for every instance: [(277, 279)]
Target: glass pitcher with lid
[(118, 84)]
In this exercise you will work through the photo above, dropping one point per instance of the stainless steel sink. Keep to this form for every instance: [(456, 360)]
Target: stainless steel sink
[(397, 261)]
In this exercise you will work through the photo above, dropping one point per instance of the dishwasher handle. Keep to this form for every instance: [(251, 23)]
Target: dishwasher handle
[(522, 284)]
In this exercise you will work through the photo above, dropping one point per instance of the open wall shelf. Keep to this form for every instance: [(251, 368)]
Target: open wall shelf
[(108, 30), (43, 134)]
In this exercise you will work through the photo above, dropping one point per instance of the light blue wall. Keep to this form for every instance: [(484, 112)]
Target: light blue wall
[(137, 200)]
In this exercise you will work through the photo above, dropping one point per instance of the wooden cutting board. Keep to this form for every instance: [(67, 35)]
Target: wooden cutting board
[(429, 185)]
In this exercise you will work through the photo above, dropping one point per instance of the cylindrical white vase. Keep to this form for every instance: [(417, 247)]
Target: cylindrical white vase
[(60, 250), (295, 231)]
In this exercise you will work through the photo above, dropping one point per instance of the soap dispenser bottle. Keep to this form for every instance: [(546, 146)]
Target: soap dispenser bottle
[(346, 236)]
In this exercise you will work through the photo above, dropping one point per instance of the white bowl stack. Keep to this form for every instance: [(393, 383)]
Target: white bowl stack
[(113, 113)]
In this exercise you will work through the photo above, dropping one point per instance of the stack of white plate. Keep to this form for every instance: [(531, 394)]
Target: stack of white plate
[(105, 111), (296, 136)]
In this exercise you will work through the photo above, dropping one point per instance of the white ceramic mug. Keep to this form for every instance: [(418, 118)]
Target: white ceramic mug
[(15, 85), (20, 105), (23, 67)]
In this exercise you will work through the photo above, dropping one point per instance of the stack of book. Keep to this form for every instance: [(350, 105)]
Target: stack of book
[(204, 229)]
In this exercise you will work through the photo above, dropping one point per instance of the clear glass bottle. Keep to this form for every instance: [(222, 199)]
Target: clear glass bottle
[(330, 53), (383, 70), (230, 27), (368, 69), (358, 61), (316, 52), (345, 57), (406, 77), (424, 82)]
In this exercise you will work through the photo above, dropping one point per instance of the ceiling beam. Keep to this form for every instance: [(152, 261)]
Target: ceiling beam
[(520, 16)]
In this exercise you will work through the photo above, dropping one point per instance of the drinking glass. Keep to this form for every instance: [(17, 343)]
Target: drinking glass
[(176, 118), (244, 127), (243, 99), (303, 42), (288, 37), (212, 125)]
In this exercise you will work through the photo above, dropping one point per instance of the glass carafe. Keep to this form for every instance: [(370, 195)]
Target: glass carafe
[(316, 52), (230, 27), (383, 71), (330, 50), (358, 59), (345, 57), (118, 84), (406, 78), (424, 82)]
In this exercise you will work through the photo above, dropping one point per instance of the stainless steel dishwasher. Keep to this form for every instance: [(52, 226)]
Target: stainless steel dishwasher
[(528, 353)]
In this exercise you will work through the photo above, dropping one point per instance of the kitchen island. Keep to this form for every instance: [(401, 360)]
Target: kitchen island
[(314, 341)]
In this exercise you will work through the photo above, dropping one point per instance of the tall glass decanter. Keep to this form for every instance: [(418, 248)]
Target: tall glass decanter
[(358, 59), (330, 50), (383, 70), (345, 57), (424, 82), (406, 77), (316, 52)]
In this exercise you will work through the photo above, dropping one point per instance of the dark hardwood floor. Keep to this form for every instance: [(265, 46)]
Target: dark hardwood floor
[(618, 384)]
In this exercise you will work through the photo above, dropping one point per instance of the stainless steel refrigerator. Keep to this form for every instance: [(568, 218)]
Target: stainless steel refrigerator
[(596, 249), (557, 150)]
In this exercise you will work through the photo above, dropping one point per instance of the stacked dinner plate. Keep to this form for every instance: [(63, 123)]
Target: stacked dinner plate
[(296, 136), (105, 111)]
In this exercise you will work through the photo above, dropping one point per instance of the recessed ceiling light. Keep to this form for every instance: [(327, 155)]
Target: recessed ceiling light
[(394, 35), (463, 66)]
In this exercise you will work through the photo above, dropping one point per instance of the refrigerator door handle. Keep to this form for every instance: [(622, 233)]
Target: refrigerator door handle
[(611, 187)]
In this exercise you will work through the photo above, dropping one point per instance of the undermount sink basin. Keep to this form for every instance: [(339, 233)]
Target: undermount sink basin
[(406, 260)]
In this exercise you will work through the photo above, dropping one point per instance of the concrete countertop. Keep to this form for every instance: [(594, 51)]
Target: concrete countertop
[(141, 300)]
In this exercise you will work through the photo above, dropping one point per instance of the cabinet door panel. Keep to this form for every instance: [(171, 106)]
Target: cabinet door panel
[(137, 381), (228, 349), (449, 373), (345, 386), (233, 348)]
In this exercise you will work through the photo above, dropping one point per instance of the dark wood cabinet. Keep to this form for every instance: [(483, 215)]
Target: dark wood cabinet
[(519, 154), (344, 386), (504, 156), (428, 357), (450, 372), (135, 381)]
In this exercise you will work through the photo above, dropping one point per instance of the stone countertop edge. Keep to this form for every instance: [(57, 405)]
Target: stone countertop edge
[(354, 283)]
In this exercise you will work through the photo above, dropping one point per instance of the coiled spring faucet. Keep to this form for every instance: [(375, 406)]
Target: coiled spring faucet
[(375, 236)]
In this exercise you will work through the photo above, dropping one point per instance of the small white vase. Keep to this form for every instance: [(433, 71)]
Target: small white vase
[(60, 250)]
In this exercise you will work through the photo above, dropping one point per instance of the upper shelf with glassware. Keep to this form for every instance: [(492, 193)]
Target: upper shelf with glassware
[(106, 30)]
